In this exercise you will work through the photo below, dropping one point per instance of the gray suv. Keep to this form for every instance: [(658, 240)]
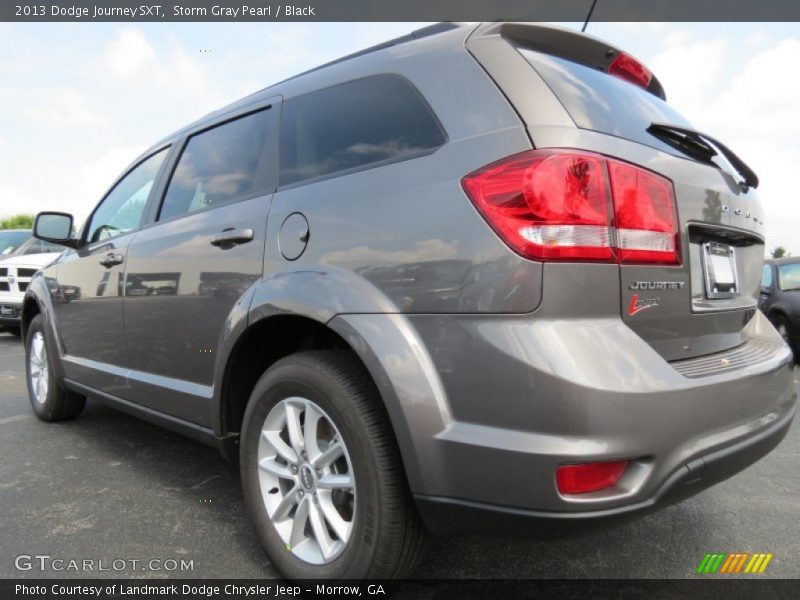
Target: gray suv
[(478, 278)]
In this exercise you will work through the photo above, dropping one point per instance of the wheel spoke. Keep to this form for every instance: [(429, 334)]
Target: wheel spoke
[(340, 527), (294, 427), (334, 481), (310, 427), (330, 454), (270, 466), (320, 531), (284, 508), (273, 438), (299, 525)]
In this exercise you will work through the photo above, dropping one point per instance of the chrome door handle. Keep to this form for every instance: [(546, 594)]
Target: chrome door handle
[(111, 259), (231, 237)]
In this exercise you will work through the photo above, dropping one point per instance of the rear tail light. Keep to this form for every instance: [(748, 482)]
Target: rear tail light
[(589, 477), (628, 68), (572, 205)]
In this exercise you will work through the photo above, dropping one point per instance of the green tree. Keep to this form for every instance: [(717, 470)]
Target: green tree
[(17, 222), (780, 252)]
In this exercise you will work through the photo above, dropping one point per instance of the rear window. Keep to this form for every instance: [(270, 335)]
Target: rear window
[(367, 122), (603, 103), (35, 246), (10, 240)]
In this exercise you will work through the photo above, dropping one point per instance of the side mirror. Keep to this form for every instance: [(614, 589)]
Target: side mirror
[(54, 227)]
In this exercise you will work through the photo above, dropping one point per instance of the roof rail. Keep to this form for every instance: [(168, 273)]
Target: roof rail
[(409, 37)]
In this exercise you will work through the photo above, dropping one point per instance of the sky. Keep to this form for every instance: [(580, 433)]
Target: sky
[(79, 101)]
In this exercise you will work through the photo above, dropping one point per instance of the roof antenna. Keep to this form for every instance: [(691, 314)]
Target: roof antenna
[(589, 16)]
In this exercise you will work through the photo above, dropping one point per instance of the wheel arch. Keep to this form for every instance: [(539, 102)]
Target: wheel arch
[(37, 301), (326, 308)]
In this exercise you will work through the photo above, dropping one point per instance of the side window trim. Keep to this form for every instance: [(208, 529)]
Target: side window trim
[(142, 220), (162, 181), (273, 104)]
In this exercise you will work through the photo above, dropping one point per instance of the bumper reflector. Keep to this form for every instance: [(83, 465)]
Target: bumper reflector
[(589, 477)]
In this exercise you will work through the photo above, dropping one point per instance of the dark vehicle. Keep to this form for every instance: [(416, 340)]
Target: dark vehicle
[(780, 299), (479, 278)]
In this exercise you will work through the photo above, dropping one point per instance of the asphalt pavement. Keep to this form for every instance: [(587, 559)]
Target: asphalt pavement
[(117, 491)]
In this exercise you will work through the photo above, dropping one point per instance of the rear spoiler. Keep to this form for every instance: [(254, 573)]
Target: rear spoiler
[(564, 43)]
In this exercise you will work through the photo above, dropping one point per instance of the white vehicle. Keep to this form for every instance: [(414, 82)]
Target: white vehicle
[(16, 271)]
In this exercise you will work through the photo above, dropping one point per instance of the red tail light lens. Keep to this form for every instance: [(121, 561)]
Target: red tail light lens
[(547, 205), (646, 220), (560, 205), (628, 68), (589, 477)]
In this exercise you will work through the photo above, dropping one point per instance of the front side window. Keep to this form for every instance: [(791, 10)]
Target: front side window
[(364, 122), (766, 276), (221, 165), (121, 210)]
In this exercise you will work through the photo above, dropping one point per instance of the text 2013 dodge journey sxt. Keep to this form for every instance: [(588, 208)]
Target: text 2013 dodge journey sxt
[(477, 278)]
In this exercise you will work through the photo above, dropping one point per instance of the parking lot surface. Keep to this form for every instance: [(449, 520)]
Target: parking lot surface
[(109, 487)]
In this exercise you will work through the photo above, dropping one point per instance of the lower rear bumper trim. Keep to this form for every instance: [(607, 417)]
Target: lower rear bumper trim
[(446, 516)]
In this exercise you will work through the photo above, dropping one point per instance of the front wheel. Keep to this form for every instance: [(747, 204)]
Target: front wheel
[(321, 472), (50, 401)]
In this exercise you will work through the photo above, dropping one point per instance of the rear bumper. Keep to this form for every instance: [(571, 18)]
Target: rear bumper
[(527, 395), (448, 516), (485, 408)]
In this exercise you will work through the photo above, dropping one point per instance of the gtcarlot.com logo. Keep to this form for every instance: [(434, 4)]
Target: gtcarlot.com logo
[(734, 563), (46, 562)]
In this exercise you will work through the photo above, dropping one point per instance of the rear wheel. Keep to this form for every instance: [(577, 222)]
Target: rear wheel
[(50, 401), (322, 475)]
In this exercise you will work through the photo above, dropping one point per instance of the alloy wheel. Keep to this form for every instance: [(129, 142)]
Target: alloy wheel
[(307, 481), (38, 368)]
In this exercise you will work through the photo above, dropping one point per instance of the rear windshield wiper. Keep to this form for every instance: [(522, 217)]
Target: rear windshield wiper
[(703, 147)]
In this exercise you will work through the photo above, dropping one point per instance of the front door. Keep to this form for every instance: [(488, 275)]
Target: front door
[(189, 268), (89, 308)]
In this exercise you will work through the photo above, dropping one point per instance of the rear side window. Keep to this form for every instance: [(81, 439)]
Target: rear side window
[(361, 123), (601, 102), (220, 165)]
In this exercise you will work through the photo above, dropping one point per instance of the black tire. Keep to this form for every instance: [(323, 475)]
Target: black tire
[(59, 404), (781, 323), (389, 542)]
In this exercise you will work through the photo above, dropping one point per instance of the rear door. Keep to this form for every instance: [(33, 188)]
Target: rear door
[(193, 263), (88, 309)]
